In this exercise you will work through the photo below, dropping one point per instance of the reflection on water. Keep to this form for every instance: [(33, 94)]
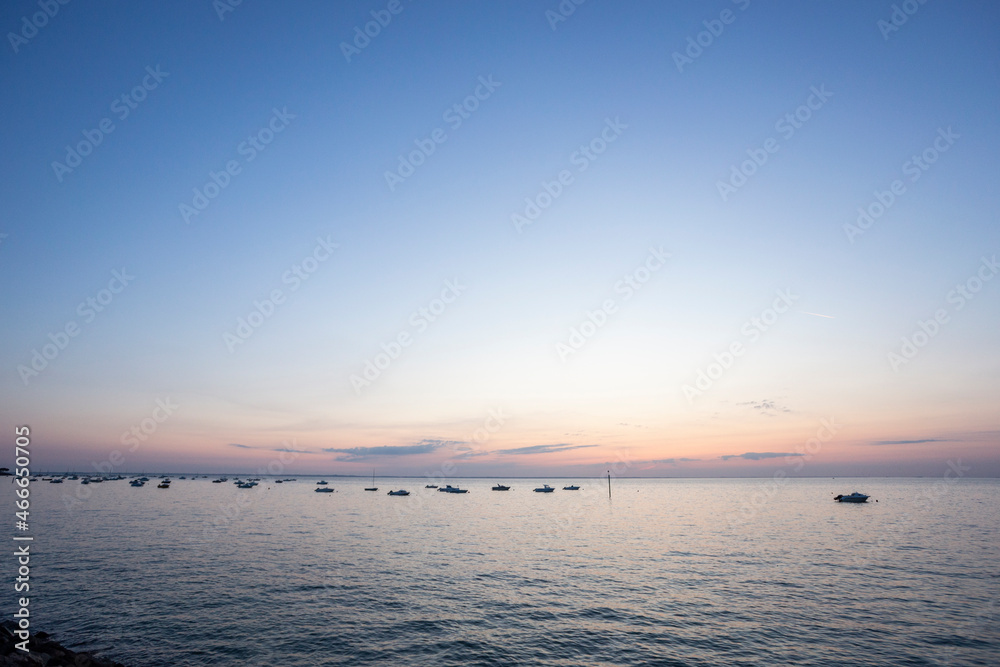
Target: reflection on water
[(685, 572)]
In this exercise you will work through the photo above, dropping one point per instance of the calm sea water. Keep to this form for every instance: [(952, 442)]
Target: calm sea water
[(667, 572)]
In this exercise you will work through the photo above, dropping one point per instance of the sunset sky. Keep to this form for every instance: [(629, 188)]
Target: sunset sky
[(689, 239)]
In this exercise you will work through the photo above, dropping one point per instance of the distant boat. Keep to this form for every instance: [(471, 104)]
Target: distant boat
[(220, 480), (431, 486), (501, 487), (852, 498), (137, 483), (321, 482), (401, 492), (163, 485), (372, 487), (58, 480), (571, 487), (453, 489), (325, 489), (545, 488), (246, 485), (278, 481)]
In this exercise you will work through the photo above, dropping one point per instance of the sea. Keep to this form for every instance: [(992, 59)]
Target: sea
[(658, 572)]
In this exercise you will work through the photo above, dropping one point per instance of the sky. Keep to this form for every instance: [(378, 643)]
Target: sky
[(727, 238)]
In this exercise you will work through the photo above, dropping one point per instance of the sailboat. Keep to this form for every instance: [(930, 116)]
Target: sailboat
[(372, 487)]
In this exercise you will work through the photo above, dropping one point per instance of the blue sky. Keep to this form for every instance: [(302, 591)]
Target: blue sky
[(887, 96)]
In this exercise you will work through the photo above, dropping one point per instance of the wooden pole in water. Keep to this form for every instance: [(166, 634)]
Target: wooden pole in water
[(609, 484)]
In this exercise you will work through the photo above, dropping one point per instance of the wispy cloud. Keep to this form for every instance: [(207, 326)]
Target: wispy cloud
[(363, 453), (236, 444), (806, 312), (757, 456), (673, 461), (541, 449), (907, 442), (766, 407)]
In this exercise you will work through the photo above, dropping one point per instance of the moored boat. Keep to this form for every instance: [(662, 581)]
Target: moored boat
[(545, 488), (501, 487), (324, 489), (571, 487), (851, 498), (401, 492)]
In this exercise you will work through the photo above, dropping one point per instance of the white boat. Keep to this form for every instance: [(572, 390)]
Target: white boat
[(401, 492), (453, 489), (545, 488), (852, 498)]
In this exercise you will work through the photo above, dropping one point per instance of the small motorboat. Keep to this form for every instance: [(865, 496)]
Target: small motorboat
[(453, 489), (401, 492), (571, 487), (325, 489), (57, 480), (322, 482), (545, 488), (137, 483), (430, 486), (163, 485), (246, 485), (851, 498), (501, 487)]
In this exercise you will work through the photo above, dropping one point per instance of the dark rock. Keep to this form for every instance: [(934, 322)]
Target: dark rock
[(43, 652)]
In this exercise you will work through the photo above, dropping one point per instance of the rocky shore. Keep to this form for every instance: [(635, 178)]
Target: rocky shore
[(44, 652)]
